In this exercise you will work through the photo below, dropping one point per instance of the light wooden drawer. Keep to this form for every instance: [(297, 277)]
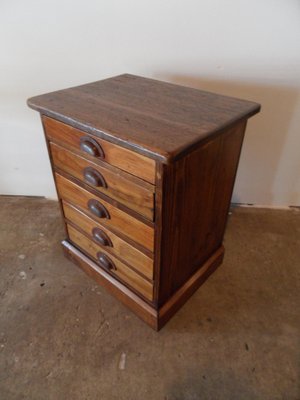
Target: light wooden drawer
[(97, 148), (105, 181), (113, 243), (110, 215), (111, 263)]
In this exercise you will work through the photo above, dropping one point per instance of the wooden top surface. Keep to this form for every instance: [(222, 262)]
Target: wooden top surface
[(157, 119)]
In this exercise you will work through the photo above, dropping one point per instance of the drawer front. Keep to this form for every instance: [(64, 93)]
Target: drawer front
[(109, 216), (111, 264), (117, 246), (97, 148), (102, 179)]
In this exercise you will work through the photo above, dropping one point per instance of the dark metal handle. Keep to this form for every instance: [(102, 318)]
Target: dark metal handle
[(98, 209), (93, 177), (101, 237), (106, 262), (91, 147)]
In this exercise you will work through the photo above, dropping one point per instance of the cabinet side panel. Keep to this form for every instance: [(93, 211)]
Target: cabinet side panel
[(196, 197)]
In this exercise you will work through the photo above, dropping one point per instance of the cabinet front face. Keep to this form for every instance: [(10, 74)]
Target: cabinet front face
[(107, 198)]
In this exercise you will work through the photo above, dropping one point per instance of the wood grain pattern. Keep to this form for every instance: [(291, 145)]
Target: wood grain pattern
[(122, 158), (140, 307), (126, 274), (196, 197), (119, 220), (119, 188), (158, 119), (120, 248)]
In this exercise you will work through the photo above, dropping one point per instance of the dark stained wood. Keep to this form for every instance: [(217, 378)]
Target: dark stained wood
[(122, 146), (158, 229), (196, 196), (157, 119)]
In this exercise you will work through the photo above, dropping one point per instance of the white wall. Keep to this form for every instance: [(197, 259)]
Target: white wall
[(236, 47)]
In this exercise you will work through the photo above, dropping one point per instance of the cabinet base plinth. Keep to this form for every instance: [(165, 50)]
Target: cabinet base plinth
[(153, 317)]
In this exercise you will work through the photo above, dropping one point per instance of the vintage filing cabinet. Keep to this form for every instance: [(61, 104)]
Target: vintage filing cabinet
[(144, 172)]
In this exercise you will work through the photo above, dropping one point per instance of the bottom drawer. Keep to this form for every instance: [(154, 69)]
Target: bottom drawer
[(111, 264)]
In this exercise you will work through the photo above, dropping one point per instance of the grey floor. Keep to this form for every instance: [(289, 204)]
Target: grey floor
[(63, 337)]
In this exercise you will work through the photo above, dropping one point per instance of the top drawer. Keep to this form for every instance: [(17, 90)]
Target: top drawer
[(97, 148)]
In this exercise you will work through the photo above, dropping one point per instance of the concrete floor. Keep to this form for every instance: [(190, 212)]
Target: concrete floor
[(62, 337)]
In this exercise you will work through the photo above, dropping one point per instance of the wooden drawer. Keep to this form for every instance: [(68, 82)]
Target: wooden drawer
[(105, 181), (113, 243), (113, 154), (117, 219), (121, 271)]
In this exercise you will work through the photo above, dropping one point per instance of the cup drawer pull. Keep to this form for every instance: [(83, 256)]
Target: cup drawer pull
[(98, 209), (91, 147), (93, 177), (106, 262), (101, 237)]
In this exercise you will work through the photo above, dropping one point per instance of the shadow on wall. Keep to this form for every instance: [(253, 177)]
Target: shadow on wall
[(265, 139)]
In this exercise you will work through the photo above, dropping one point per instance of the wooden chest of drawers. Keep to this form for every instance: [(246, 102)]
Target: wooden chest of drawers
[(144, 172)]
